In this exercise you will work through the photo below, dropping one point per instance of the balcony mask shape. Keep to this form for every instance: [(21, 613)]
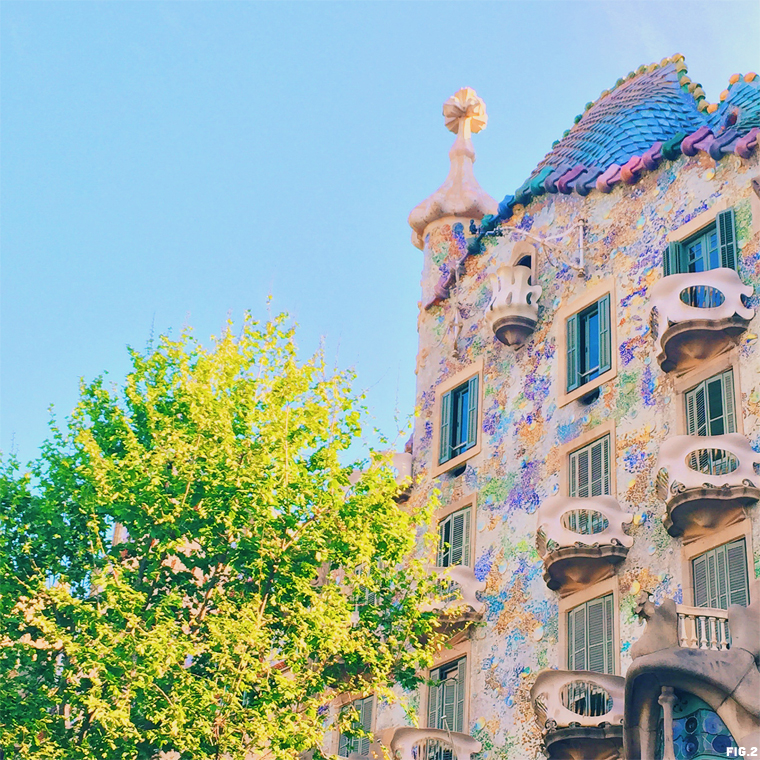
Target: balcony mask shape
[(513, 311), (463, 578), (706, 482), (580, 713), (699, 315), (407, 743), (576, 558)]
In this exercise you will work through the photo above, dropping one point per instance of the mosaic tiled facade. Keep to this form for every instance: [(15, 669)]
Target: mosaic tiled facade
[(650, 163)]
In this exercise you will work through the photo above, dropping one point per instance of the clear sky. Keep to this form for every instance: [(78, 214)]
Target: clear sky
[(170, 163)]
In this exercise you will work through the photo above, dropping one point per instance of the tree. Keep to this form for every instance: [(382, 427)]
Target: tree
[(222, 615)]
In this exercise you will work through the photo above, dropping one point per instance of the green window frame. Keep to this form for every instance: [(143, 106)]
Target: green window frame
[(446, 696), (454, 539), (720, 576), (590, 469), (589, 344), (459, 420), (591, 636), (348, 743), (712, 247)]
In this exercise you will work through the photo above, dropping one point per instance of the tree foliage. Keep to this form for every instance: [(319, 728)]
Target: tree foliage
[(223, 616)]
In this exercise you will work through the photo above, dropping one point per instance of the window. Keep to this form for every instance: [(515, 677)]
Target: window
[(349, 744), (588, 344), (720, 576), (590, 469), (712, 247), (454, 539), (710, 406), (446, 696), (590, 636), (459, 420)]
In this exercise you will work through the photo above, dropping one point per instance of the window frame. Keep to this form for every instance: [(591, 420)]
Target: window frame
[(693, 549), (583, 440), (685, 383), (343, 703), (572, 601), (451, 663), (698, 226), (566, 313), (443, 388), (466, 544)]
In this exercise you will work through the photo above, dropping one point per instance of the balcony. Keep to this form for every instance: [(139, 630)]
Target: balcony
[(708, 653), (580, 713), (513, 311), (457, 600), (431, 744), (699, 315), (580, 540), (706, 482)]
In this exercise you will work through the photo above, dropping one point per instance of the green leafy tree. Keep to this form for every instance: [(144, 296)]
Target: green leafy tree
[(185, 570)]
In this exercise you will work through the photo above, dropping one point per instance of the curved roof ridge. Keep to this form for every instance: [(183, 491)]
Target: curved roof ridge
[(646, 117)]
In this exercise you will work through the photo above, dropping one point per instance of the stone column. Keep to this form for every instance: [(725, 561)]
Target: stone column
[(667, 699)]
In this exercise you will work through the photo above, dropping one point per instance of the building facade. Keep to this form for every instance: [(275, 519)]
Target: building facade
[(588, 387)]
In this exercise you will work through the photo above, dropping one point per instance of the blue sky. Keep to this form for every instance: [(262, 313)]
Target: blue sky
[(172, 163)]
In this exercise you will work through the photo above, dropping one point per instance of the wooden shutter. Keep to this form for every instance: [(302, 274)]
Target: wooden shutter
[(738, 582), (721, 578), (458, 550), (609, 632), (573, 354), (448, 704), (576, 629), (727, 238), (590, 469), (671, 259), (729, 412), (461, 688), (444, 545), (605, 339), (595, 634), (366, 722), (445, 448), (699, 576), (696, 411), (343, 745), (472, 412), (434, 694)]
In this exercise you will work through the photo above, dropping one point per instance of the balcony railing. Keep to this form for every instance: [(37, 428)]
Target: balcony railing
[(705, 481), (703, 628), (580, 538), (580, 698), (457, 589), (698, 315), (513, 311)]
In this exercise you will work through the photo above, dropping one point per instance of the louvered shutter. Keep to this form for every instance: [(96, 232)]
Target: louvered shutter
[(457, 537), (434, 695), (671, 259), (605, 336), (472, 412), (605, 454), (597, 471), (721, 578), (729, 413), (445, 449), (449, 704), (699, 575), (366, 721), (581, 457), (595, 634), (727, 238), (573, 354), (343, 745), (696, 411), (461, 689), (577, 641), (609, 633), (738, 582)]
